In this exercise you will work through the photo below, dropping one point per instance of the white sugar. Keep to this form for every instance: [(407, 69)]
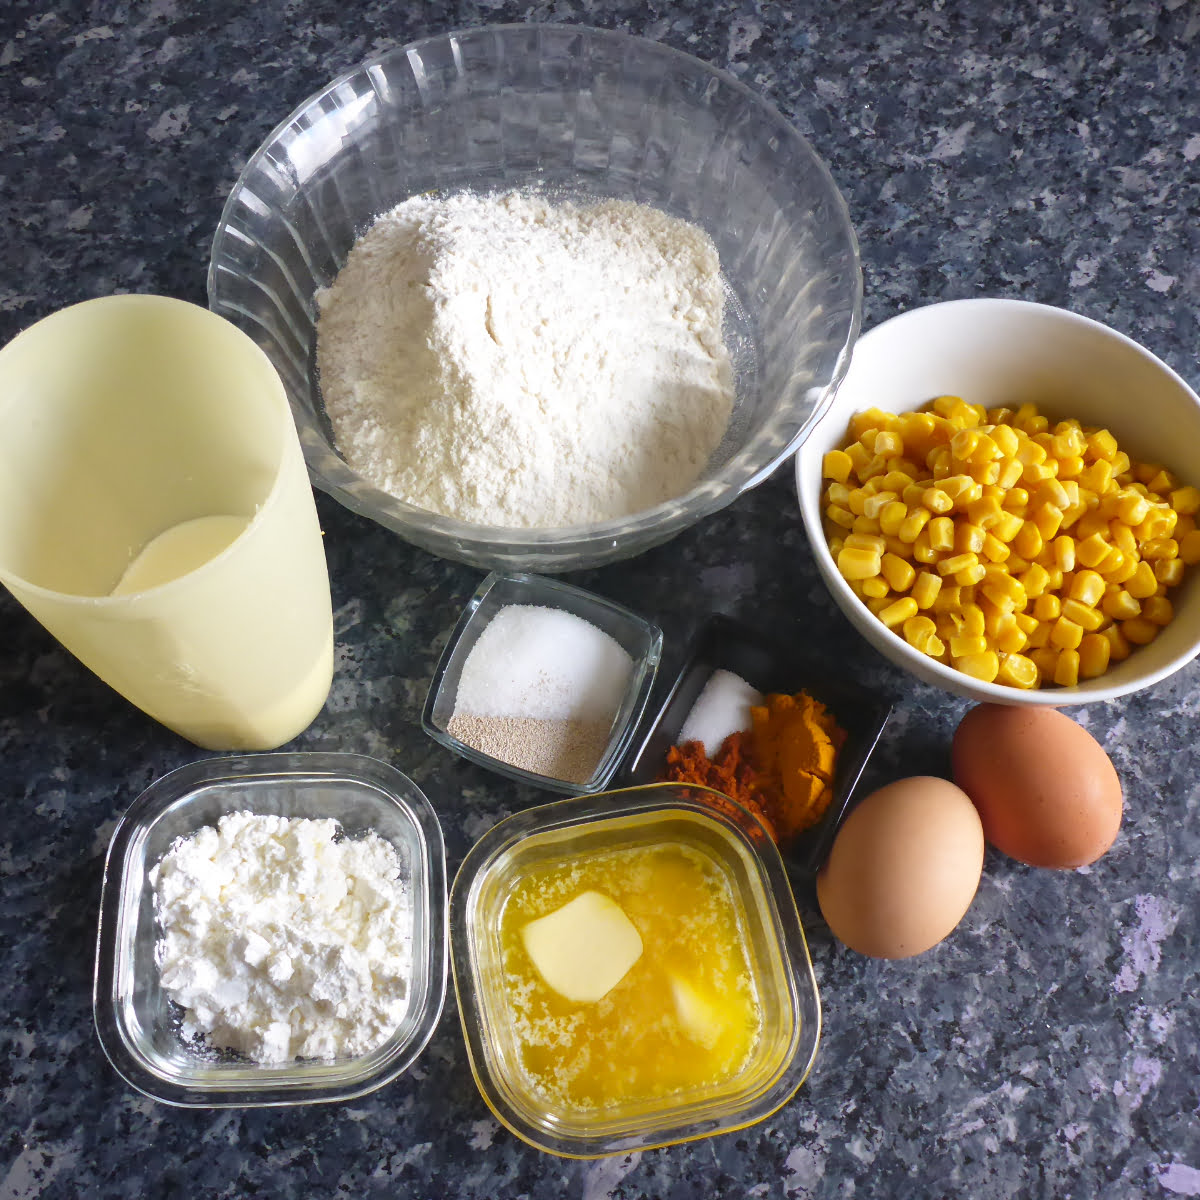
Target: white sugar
[(545, 663), (722, 708)]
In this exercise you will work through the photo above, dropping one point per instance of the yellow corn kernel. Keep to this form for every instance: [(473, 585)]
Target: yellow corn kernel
[(941, 534), (936, 500), (913, 524), (1186, 500), (1097, 476), (1185, 525), (891, 517), (985, 665), (1017, 670), (897, 571), (888, 444), (1086, 617), (958, 486), (1028, 542), (1045, 658), (974, 624), (1123, 538), (855, 563), (1040, 635), (898, 612), (1026, 622), (925, 589), (878, 603), (1064, 552), (1114, 562), (921, 634), (874, 588), (1160, 523), (1092, 550), (970, 575), (1034, 580), (1065, 634), (1139, 631), (922, 551), (968, 538), (1047, 607), (985, 473), (1036, 473), (856, 502), (1007, 526), (877, 502), (1132, 507), (1158, 610), (1142, 582), (1066, 668), (837, 493), (866, 541), (1119, 647), (1189, 547), (837, 465), (1087, 524), (1119, 605), (1048, 520), (984, 512), (955, 563), (1006, 438), (1087, 587), (897, 479), (1001, 584), (858, 455), (1011, 639), (841, 516), (1010, 473), (1101, 445), (1156, 548), (1162, 482), (1169, 571), (1094, 653)]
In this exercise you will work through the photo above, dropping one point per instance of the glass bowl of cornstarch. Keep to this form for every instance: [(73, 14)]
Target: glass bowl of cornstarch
[(541, 296), (272, 931)]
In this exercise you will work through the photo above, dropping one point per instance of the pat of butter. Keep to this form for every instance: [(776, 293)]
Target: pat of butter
[(584, 949), (701, 1019)]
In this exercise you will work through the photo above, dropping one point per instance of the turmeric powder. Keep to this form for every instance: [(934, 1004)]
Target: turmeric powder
[(781, 769)]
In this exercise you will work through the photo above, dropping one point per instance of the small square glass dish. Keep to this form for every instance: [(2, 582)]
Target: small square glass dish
[(723, 644), (548, 689), (587, 1039), (140, 1026)]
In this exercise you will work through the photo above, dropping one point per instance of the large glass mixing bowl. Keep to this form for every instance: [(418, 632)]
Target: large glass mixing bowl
[(585, 114)]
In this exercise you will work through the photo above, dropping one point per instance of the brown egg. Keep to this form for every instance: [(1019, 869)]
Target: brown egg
[(903, 869), (1047, 793)]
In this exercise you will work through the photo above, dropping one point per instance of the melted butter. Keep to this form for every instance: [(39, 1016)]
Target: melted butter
[(686, 1017)]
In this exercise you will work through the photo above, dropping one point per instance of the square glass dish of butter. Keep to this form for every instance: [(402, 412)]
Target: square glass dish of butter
[(767, 666), (543, 682), (631, 971), (142, 1029)]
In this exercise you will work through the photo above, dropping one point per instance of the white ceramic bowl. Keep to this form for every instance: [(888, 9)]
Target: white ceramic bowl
[(1008, 352)]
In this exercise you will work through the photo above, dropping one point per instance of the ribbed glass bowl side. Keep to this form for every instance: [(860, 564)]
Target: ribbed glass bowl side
[(582, 114)]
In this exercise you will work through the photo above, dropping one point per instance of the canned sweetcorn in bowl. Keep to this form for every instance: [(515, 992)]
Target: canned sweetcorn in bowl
[(631, 971)]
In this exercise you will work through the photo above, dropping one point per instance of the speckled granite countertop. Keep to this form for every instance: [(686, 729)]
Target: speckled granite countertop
[(1049, 1048)]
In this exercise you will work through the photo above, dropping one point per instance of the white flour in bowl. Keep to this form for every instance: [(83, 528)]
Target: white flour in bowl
[(511, 361)]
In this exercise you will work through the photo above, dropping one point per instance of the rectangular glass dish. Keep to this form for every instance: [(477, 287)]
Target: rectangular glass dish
[(138, 1024), (724, 644), (639, 638)]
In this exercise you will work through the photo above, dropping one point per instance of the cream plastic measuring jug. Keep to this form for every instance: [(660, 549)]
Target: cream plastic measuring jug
[(156, 517)]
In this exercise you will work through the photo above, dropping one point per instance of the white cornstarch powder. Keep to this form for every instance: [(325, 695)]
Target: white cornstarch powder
[(280, 942), (511, 361)]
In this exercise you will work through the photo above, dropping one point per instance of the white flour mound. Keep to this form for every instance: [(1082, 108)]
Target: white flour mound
[(280, 942), (510, 361)]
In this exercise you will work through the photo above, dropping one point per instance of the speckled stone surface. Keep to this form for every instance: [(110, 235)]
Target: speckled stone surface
[(1049, 1047)]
